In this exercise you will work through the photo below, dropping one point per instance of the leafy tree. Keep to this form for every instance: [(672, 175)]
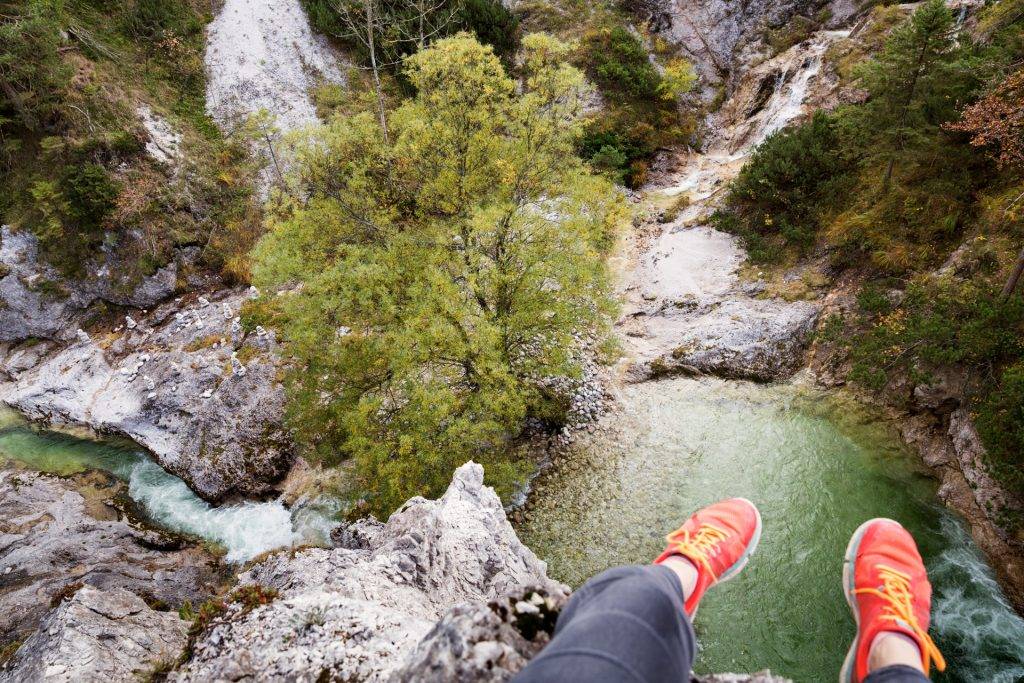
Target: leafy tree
[(437, 279), (997, 121)]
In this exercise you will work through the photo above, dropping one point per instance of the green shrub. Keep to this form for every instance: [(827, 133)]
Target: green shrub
[(492, 23), (90, 194), (620, 65), (32, 71), (938, 323), (787, 187)]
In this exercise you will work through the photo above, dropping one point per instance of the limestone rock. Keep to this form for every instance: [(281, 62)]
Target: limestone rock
[(37, 302), (264, 55), (98, 636), (484, 642), (944, 390), (218, 430), (722, 37), (744, 339), (361, 613), (51, 537), (992, 498)]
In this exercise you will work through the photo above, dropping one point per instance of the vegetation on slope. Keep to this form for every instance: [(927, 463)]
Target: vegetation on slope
[(926, 171), (437, 276), (640, 80), (72, 146)]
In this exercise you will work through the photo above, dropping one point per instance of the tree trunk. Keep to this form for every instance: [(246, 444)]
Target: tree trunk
[(1018, 269), (381, 111)]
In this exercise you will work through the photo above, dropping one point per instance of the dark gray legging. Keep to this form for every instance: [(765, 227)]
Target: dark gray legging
[(628, 624)]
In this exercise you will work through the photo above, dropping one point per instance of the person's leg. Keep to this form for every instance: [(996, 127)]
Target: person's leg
[(887, 588), (633, 623)]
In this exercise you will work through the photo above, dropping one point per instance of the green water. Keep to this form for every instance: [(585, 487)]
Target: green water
[(244, 530), (816, 468)]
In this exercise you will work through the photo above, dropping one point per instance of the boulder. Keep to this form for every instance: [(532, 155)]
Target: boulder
[(98, 636), (52, 538), (743, 339)]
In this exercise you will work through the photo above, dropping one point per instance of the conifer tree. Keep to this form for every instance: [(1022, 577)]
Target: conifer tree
[(911, 84)]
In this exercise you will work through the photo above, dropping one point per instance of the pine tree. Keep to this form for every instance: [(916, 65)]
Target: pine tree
[(911, 84)]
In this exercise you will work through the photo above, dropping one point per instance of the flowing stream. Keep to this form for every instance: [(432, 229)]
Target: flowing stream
[(817, 466), (244, 530)]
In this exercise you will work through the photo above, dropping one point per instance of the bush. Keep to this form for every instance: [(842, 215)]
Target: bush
[(789, 184), (492, 23), (90, 194), (620, 65), (939, 322), (33, 72)]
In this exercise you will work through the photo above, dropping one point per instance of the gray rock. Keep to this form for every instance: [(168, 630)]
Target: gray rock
[(484, 642), (51, 537), (218, 430), (722, 37), (740, 338), (98, 636), (994, 500), (37, 302), (360, 614), (944, 390)]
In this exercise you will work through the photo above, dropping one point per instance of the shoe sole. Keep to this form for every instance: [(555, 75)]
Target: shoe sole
[(846, 674)]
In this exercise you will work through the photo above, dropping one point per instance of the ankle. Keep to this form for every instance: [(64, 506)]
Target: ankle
[(891, 648), (685, 571)]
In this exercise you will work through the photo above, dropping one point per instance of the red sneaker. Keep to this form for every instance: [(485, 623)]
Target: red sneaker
[(887, 588), (718, 540)]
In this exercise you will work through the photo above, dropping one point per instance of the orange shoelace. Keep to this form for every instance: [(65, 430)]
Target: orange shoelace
[(896, 593), (698, 547)]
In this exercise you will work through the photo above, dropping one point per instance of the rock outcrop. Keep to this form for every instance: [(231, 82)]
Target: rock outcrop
[(689, 313), (37, 302), (98, 636), (361, 612), (721, 38), (52, 538), (264, 56), (171, 380)]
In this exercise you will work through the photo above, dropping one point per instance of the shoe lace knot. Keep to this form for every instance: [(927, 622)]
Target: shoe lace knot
[(699, 546), (899, 607)]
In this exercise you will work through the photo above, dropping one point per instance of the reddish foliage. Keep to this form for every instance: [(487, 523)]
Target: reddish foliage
[(997, 120)]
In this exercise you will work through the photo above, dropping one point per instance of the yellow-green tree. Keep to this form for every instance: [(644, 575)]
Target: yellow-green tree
[(443, 273)]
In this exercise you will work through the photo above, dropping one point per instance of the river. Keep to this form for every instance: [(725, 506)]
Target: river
[(242, 530), (817, 466)]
